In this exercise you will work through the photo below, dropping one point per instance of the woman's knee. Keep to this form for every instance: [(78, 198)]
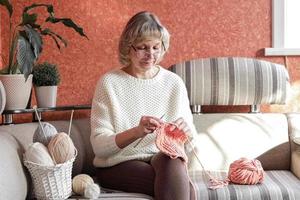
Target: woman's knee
[(121, 177), (162, 162), (171, 178)]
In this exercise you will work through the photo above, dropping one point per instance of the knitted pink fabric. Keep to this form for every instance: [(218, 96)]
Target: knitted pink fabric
[(171, 142)]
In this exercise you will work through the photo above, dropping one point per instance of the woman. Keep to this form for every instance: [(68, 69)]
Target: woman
[(129, 104)]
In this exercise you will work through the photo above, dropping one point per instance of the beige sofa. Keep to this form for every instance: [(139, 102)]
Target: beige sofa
[(222, 137)]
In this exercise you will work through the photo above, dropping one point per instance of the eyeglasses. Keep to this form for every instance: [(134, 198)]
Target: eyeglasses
[(142, 51)]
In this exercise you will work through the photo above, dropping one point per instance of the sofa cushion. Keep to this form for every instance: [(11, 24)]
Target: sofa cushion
[(279, 185), (233, 81), (12, 174), (224, 138), (117, 196), (84, 128)]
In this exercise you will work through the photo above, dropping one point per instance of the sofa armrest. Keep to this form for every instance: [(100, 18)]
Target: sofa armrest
[(294, 134), (13, 178)]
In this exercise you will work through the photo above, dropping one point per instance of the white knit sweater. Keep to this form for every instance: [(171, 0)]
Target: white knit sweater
[(120, 100)]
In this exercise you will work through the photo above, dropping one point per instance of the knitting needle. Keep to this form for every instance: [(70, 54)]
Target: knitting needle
[(38, 117), (145, 135), (70, 125)]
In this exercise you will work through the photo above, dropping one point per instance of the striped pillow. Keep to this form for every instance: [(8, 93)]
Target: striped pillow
[(233, 81)]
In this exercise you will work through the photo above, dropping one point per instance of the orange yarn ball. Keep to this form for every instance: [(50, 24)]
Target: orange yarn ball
[(246, 171), (61, 148)]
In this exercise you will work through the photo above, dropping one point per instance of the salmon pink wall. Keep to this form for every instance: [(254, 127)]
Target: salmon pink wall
[(206, 28)]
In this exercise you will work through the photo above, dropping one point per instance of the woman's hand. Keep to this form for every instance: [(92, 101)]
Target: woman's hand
[(148, 124), (182, 125)]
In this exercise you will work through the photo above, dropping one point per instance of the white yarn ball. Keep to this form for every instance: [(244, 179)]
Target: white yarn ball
[(92, 191), (44, 137), (38, 153), (80, 182)]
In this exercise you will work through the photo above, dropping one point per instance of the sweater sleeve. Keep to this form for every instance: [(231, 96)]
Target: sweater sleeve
[(102, 132), (186, 114), (185, 110)]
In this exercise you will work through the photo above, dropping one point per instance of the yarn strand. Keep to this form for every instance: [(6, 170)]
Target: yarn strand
[(214, 182)]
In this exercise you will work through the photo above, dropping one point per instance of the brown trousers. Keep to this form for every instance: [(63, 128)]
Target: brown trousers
[(163, 178)]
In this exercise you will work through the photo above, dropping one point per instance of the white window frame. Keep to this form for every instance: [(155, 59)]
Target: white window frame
[(278, 32)]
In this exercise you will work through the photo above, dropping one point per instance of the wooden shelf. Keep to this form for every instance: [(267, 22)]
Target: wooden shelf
[(7, 115)]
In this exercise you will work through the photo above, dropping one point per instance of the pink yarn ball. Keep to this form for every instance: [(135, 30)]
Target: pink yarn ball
[(245, 171)]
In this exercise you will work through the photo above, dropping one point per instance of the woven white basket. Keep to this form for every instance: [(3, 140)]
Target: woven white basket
[(51, 182)]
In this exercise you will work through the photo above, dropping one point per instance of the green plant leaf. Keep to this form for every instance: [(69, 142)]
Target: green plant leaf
[(11, 56), (55, 40), (49, 7), (15, 69), (25, 56), (8, 6), (34, 39), (54, 36), (4, 70), (36, 26), (28, 19), (25, 41), (68, 23)]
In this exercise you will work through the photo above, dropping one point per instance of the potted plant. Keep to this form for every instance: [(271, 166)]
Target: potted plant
[(25, 46), (45, 80)]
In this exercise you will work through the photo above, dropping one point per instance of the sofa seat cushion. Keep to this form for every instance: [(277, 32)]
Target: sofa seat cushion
[(224, 138), (278, 184), (117, 195)]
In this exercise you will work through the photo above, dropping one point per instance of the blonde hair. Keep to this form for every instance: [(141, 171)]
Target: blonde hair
[(141, 26)]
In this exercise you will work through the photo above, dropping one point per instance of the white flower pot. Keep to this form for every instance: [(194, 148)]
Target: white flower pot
[(17, 90), (2, 97), (46, 96)]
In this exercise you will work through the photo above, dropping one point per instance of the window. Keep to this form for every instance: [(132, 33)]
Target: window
[(285, 28)]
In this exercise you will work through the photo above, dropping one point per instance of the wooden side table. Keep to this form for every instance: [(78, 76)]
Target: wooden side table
[(7, 115)]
